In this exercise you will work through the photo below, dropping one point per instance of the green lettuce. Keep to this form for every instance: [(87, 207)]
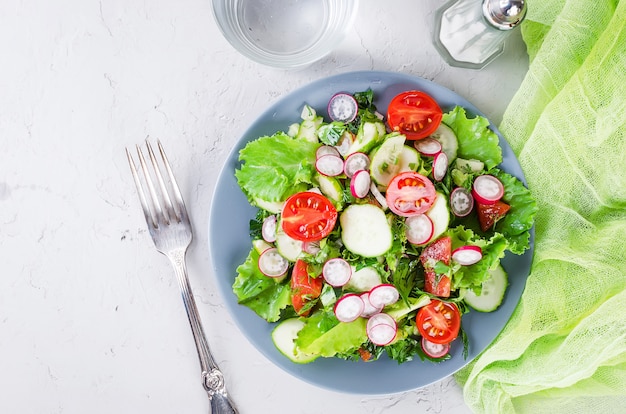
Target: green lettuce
[(493, 250), (264, 295), (325, 336), (275, 167), (518, 221), (476, 140)]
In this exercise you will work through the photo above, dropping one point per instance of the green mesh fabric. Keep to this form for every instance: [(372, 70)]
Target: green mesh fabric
[(564, 349)]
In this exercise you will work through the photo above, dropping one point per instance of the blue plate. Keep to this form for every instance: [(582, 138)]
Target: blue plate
[(229, 244)]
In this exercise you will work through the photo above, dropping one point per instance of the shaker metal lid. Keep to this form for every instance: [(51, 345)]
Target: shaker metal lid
[(504, 14)]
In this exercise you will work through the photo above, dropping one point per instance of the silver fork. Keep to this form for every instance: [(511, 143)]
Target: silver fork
[(169, 226)]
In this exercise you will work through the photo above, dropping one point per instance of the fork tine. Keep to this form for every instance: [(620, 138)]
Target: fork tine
[(179, 205), (169, 211), (158, 214), (142, 196)]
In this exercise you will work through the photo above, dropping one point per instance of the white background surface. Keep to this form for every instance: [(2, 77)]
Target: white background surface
[(91, 320)]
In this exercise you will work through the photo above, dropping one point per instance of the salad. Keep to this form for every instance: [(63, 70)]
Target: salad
[(377, 233)]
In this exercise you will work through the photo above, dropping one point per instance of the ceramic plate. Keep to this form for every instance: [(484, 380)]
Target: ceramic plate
[(229, 244)]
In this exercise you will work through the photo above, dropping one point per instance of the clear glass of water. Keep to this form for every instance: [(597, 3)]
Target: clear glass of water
[(285, 33)]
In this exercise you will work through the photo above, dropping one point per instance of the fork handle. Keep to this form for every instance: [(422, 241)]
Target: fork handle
[(212, 378)]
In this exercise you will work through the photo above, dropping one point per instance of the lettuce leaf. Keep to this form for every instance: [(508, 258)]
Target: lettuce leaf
[(325, 336), (516, 225), (476, 140), (493, 250), (275, 167), (262, 294)]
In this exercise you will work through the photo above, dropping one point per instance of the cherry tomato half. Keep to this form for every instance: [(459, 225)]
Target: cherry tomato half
[(414, 114), (308, 216), (489, 214), (304, 288), (410, 194), (439, 322)]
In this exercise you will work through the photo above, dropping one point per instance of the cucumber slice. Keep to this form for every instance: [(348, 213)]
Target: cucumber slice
[(260, 245), (409, 159), (363, 280), (439, 213), (271, 206), (308, 113), (368, 136), (385, 159), (470, 165), (332, 189), (365, 230), (492, 292), (447, 138), (288, 248), (308, 129), (284, 337)]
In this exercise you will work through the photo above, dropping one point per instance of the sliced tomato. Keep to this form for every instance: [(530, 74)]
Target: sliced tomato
[(438, 251), (304, 288), (439, 322), (489, 214), (409, 194), (308, 216), (414, 114)]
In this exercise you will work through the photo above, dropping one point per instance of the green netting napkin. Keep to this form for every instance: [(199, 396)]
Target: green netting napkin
[(564, 350)]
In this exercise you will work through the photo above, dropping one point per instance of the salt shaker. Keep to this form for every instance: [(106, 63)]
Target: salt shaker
[(471, 33)]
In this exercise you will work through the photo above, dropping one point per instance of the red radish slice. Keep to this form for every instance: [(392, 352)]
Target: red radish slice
[(381, 318), (360, 184), (440, 166), (326, 150), (419, 229), (381, 329), (349, 307), (337, 272), (383, 295), (355, 162), (311, 247), (467, 255), (461, 202), (330, 165), (268, 229), (487, 189), (428, 146), (272, 264), (369, 310), (434, 350), (342, 107), (378, 196)]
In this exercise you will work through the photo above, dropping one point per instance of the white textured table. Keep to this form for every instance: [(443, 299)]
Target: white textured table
[(91, 320)]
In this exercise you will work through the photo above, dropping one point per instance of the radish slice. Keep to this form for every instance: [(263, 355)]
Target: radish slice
[(360, 184), (381, 329), (355, 162), (349, 307), (487, 189), (326, 150), (467, 255), (434, 350), (342, 107), (337, 272), (311, 247), (272, 264), (440, 166), (383, 295), (461, 202), (378, 196), (268, 229), (329, 165), (369, 310), (428, 146), (419, 229)]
